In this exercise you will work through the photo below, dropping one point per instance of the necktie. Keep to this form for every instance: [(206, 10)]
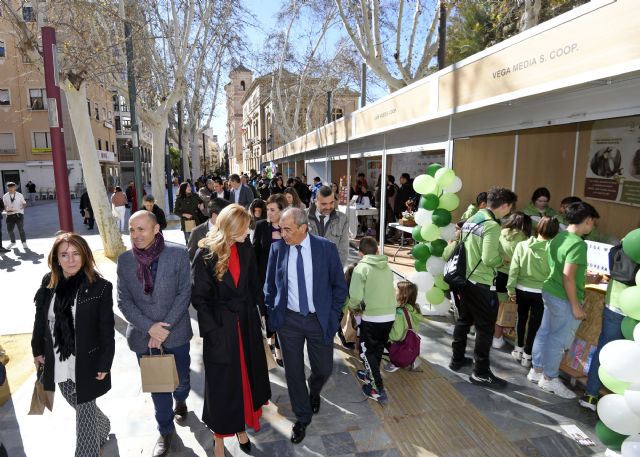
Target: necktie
[(321, 231), (303, 302)]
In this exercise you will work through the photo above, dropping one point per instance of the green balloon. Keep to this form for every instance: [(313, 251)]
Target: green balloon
[(449, 201), (421, 252), (614, 385), (435, 296), (430, 232), (445, 177), (420, 265), (630, 301), (440, 282), (627, 326), (437, 247), (608, 437), (433, 168), (441, 217), (416, 235), (425, 184), (631, 245), (429, 202)]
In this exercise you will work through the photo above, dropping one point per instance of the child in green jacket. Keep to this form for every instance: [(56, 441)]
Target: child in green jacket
[(516, 228), (372, 283), (406, 296), (528, 269)]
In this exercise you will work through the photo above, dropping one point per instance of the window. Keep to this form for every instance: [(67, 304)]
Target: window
[(2, 49), (27, 13), (7, 144), (37, 99), (99, 144), (5, 97), (336, 113), (97, 112), (242, 85), (41, 140), (115, 102), (89, 106), (106, 145)]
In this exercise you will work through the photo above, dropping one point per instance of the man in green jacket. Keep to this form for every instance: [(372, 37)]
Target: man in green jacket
[(478, 304)]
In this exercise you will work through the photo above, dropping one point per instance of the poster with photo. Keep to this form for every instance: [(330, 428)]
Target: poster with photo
[(613, 169)]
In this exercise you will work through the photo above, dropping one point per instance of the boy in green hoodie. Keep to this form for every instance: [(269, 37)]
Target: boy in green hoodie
[(372, 283)]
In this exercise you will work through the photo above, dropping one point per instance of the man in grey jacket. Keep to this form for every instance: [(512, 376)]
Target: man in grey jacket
[(326, 222), (154, 292)]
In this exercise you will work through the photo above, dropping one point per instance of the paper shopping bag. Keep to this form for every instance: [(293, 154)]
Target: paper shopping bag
[(159, 373), (507, 314), (271, 361), (348, 328), (40, 399), (189, 225)]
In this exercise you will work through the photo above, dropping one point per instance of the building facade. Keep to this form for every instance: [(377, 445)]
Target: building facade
[(240, 80)]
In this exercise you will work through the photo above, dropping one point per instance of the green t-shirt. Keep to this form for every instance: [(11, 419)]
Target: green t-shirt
[(565, 248)]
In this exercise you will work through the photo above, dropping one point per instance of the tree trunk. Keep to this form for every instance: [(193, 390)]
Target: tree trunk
[(77, 103), (531, 15), (195, 153), (158, 177)]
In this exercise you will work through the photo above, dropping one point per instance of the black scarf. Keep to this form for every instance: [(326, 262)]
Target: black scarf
[(64, 335)]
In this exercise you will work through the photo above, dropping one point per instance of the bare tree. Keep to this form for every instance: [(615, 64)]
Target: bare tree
[(396, 44), (88, 38)]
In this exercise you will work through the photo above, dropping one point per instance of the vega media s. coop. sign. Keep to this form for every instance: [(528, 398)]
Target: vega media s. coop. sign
[(613, 169)]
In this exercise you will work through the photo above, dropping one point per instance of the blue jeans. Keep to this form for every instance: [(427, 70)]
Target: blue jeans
[(611, 331), (162, 402), (557, 328)]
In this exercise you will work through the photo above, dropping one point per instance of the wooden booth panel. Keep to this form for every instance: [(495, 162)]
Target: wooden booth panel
[(545, 159), (482, 162), (615, 219)]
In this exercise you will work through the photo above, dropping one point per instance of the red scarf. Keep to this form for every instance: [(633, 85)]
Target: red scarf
[(144, 259)]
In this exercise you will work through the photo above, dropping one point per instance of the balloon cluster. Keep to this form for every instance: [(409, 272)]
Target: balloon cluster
[(434, 229), (619, 412)]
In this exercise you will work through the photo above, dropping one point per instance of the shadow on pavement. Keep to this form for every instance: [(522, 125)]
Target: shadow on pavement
[(8, 263)]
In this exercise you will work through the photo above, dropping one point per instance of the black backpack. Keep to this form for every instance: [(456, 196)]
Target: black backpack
[(621, 267), (455, 270)]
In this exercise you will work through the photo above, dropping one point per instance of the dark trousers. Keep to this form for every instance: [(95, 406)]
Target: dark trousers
[(373, 338), (163, 402), (478, 306), (12, 221), (294, 332), (611, 331), (528, 302)]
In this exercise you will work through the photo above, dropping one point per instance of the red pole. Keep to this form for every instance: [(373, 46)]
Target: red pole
[(56, 128)]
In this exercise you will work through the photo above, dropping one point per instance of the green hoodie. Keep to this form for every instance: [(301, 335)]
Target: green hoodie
[(531, 210), (482, 247), (400, 327), (471, 210), (529, 265), (509, 238), (372, 282)]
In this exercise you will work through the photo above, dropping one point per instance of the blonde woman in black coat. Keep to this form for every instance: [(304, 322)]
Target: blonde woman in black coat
[(73, 337)]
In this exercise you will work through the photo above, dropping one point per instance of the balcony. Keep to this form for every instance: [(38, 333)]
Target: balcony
[(8, 151)]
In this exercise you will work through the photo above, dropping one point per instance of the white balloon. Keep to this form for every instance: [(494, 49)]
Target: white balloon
[(423, 280), (632, 397), (455, 186), (631, 446), (435, 310), (615, 414), (422, 216), (636, 331), (448, 233), (435, 266), (621, 359)]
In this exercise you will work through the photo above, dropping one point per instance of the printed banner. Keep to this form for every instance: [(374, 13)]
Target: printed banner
[(613, 170)]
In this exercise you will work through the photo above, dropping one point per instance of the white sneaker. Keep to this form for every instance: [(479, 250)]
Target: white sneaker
[(534, 376), (517, 353), (415, 364), (12, 244), (24, 245), (555, 386), (390, 367), (526, 360), (497, 343)]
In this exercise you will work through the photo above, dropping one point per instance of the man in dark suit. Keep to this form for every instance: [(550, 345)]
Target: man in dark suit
[(304, 292), (214, 207), (154, 292), (240, 194), (219, 190)]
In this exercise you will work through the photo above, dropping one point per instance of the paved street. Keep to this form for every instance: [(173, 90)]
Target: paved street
[(348, 425)]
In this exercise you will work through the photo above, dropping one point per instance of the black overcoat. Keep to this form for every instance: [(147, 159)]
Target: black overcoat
[(262, 239), (95, 343), (221, 305)]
